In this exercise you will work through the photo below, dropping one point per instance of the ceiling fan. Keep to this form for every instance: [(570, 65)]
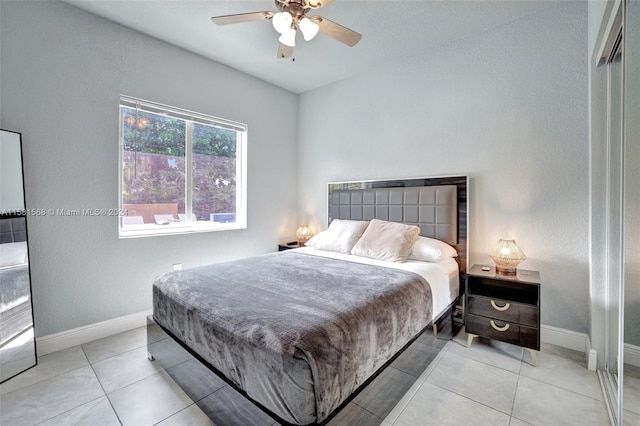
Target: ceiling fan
[(292, 16)]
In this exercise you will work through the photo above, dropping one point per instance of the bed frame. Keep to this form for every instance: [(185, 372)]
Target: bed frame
[(437, 205)]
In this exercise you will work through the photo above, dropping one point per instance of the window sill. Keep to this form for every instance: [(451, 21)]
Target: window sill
[(177, 229)]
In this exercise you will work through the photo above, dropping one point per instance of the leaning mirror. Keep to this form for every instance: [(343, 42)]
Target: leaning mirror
[(17, 342)]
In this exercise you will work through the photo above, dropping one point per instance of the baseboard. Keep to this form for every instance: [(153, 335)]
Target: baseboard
[(592, 360), (632, 354), (77, 336), (591, 355), (564, 338)]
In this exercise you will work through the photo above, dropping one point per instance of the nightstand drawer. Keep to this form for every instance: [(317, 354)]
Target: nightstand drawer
[(509, 332), (503, 310), (505, 289)]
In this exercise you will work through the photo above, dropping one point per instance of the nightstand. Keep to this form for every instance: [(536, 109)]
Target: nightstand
[(504, 307), (288, 246)]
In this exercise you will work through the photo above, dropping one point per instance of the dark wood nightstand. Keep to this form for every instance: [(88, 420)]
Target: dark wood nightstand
[(504, 307), (288, 246)]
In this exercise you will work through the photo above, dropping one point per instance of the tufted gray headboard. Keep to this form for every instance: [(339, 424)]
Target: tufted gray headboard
[(432, 208), (13, 230), (438, 206)]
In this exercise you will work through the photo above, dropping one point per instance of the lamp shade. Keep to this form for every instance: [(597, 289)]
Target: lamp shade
[(308, 28), (303, 234), (288, 38), (507, 255), (282, 21)]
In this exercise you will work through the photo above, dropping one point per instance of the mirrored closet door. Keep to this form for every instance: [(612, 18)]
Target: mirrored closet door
[(614, 220), (620, 375), (17, 342)]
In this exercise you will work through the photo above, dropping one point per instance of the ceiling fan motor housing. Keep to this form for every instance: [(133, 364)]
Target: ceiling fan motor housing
[(297, 8), (305, 5)]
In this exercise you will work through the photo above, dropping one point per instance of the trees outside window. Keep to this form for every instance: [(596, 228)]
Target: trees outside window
[(180, 171)]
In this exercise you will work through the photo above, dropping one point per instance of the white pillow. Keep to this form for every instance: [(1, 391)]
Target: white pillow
[(384, 240), (431, 250), (341, 236), (13, 254)]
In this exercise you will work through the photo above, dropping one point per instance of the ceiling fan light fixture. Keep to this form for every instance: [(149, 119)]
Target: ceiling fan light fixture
[(309, 28), (288, 38), (282, 21)]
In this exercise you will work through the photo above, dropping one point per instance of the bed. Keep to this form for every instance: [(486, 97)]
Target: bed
[(299, 332), (15, 291)]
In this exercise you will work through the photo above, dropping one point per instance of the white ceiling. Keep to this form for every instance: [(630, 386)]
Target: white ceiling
[(392, 30)]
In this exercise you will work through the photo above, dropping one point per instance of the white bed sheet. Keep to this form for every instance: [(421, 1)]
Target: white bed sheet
[(442, 276), (13, 255)]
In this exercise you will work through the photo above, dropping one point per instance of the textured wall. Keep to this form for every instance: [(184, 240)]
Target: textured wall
[(62, 73), (508, 107)]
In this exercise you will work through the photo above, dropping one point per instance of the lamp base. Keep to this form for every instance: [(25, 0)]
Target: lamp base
[(505, 270)]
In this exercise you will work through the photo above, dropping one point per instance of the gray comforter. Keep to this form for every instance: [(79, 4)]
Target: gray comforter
[(298, 333), (15, 287)]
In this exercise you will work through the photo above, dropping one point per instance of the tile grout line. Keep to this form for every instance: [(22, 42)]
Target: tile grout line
[(561, 388), (47, 378), (70, 409), (193, 402), (519, 359), (364, 409), (520, 420), (470, 399), (136, 381), (112, 356), (67, 372), (101, 386), (174, 414), (515, 394), (479, 402), (487, 364), (522, 361), (432, 366)]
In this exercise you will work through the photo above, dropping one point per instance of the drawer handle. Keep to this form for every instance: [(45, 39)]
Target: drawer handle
[(500, 308), (495, 327)]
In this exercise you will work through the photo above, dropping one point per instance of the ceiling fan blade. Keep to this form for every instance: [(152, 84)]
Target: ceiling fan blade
[(284, 51), (241, 17), (337, 31)]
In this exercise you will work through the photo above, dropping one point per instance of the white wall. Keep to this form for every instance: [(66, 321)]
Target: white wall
[(62, 73), (508, 107), (11, 197)]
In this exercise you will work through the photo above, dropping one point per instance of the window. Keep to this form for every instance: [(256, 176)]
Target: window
[(180, 171)]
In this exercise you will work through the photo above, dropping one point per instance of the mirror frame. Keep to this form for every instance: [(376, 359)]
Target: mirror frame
[(22, 213)]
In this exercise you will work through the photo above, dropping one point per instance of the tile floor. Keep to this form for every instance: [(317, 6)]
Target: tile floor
[(435, 382)]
